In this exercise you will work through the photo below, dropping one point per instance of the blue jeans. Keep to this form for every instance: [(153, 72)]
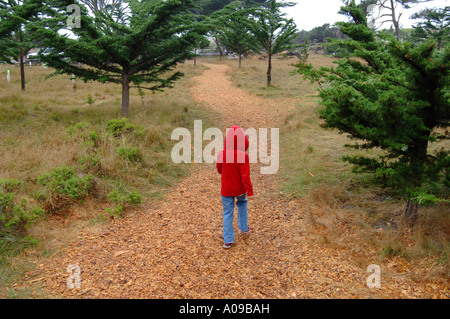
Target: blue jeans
[(228, 215)]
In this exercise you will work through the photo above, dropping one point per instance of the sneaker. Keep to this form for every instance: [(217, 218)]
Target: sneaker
[(228, 246), (246, 232)]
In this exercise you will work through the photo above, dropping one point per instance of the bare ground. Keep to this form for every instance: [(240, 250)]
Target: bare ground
[(174, 249)]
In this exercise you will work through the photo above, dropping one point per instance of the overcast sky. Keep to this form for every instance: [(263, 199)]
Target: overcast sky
[(309, 14)]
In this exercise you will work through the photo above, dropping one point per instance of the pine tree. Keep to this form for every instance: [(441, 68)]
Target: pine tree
[(434, 23), (14, 13), (211, 8), (141, 48), (273, 32), (390, 96), (15, 41), (234, 28)]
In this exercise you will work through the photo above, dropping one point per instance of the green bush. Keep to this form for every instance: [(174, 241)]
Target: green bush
[(130, 154), (133, 198), (93, 138), (122, 198), (125, 197), (65, 181), (8, 185), (90, 100), (23, 215), (89, 138), (117, 127), (115, 212), (88, 161), (14, 214), (73, 129)]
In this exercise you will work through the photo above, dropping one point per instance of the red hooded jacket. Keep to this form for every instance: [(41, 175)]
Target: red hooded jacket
[(233, 163)]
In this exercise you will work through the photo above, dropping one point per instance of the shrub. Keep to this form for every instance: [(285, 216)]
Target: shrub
[(117, 127), (115, 212), (133, 198), (9, 185), (93, 138), (73, 129), (65, 181), (130, 154), (90, 100), (88, 161), (122, 198), (23, 215), (125, 197), (90, 138), (14, 214)]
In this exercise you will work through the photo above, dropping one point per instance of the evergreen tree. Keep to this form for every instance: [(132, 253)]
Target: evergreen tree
[(201, 43), (209, 8), (391, 96), (15, 41), (435, 23), (141, 48), (14, 13), (273, 32), (235, 28)]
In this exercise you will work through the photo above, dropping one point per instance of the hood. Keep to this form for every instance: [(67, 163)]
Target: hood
[(236, 139)]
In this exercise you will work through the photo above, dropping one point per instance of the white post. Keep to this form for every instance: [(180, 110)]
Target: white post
[(74, 83), (8, 76)]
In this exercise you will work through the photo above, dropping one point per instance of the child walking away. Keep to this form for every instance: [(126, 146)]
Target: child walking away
[(233, 163)]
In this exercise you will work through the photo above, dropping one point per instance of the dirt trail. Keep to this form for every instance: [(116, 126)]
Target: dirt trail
[(175, 250)]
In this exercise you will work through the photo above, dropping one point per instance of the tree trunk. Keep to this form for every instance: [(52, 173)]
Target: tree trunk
[(195, 56), (397, 30), (219, 47), (395, 21), (22, 70), (418, 151), (411, 213), (125, 94), (240, 59), (269, 71)]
